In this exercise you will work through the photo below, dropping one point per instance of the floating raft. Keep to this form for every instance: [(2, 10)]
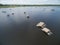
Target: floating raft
[(47, 31), (42, 25)]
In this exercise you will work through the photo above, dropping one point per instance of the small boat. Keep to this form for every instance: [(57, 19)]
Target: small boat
[(47, 31), (41, 25)]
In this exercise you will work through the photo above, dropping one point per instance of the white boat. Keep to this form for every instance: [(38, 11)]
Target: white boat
[(41, 24), (47, 31)]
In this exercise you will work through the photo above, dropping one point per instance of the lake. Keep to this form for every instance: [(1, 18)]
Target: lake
[(18, 29)]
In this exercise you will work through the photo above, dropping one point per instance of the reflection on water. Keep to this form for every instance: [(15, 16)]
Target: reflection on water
[(17, 29)]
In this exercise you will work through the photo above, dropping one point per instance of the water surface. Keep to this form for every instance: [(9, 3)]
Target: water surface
[(17, 29)]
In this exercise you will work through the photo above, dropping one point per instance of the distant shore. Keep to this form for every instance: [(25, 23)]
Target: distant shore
[(28, 5)]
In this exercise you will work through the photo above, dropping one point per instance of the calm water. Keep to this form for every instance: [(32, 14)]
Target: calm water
[(17, 29)]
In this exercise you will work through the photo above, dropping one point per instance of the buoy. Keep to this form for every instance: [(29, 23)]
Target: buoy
[(8, 15), (28, 16), (24, 12), (12, 13)]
